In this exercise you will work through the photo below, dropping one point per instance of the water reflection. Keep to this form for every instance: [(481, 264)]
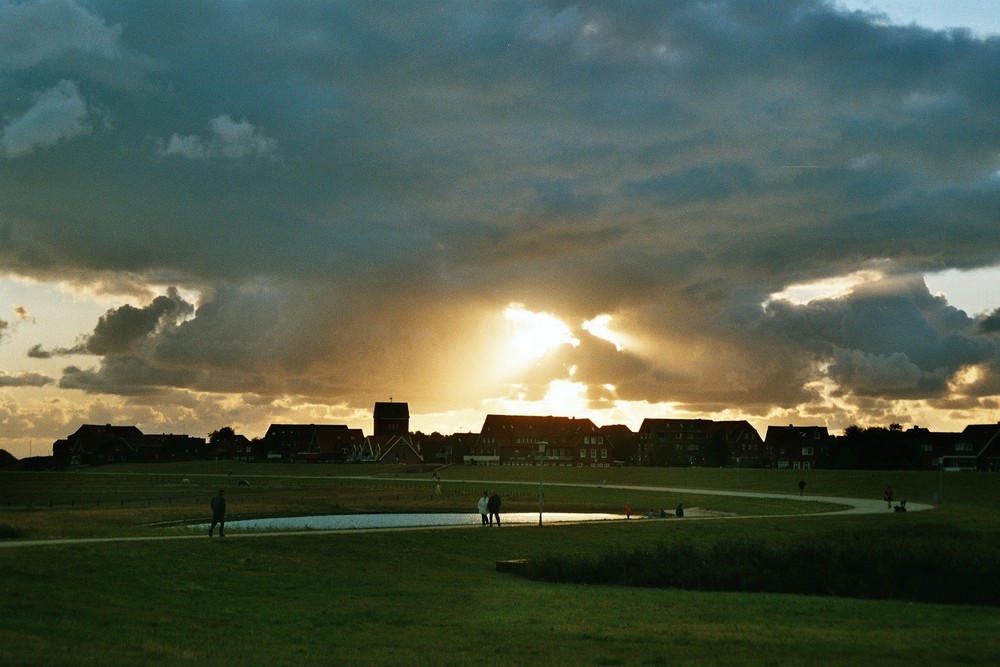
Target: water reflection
[(344, 521)]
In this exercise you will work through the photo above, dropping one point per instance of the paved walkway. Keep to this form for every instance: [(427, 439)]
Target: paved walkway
[(848, 506)]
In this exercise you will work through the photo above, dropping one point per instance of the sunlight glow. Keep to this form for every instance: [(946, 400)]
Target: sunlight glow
[(563, 397), (535, 334), (835, 287), (600, 327), (964, 378)]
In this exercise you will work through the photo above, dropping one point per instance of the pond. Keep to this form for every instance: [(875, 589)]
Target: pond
[(346, 521)]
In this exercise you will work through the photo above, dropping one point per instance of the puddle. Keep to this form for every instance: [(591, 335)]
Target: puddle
[(344, 521)]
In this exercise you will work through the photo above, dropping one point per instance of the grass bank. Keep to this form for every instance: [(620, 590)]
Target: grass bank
[(434, 597)]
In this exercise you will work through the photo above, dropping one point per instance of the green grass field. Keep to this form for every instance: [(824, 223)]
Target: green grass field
[(434, 596)]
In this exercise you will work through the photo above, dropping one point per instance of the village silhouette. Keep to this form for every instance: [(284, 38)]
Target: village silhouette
[(514, 440)]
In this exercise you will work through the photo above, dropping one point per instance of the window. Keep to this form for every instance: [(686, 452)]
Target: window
[(604, 453), (593, 453), (807, 451)]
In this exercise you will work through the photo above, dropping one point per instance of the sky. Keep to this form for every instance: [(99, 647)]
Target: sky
[(244, 213)]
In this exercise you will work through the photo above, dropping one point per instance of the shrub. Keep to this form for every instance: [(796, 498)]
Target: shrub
[(10, 532), (924, 568)]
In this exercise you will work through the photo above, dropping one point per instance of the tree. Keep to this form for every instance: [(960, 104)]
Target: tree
[(222, 435)]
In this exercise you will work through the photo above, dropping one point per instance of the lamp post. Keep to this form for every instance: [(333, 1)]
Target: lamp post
[(541, 479)]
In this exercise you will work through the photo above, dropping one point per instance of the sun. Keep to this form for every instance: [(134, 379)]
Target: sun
[(532, 335)]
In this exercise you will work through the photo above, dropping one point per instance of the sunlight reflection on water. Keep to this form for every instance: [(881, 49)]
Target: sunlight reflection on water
[(344, 521)]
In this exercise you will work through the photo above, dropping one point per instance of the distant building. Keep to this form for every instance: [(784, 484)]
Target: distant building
[(745, 446), (515, 439), (391, 441), (624, 443), (391, 419), (975, 448), (234, 447), (798, 447), (97, 445), (311, 443), (444, 449)]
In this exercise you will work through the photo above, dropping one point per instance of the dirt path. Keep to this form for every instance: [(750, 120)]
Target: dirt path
[(850, 506)]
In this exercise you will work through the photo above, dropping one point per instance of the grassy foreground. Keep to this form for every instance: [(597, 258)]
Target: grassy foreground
[(433, 596)]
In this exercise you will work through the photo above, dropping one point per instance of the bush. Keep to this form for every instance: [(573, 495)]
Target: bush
[(923, 568), (10, 532)]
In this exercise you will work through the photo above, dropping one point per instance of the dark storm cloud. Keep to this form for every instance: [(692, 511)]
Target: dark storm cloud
[(343, 182), (991, 323), (24, 380), (126, 329), (126, 375)]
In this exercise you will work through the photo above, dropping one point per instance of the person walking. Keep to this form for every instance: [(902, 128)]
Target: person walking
[(218, 514), (484, 508), (628, 510), (493, 505), (802, 486)]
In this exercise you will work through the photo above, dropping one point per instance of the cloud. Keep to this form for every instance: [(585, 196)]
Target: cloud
[(227, 139), (403, 176), (33, 33), (24, 380), (991, 323), (873, 373), (125, 329), (58, 115)]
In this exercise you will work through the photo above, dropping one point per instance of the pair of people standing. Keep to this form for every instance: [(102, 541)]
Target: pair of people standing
[(489, 508)]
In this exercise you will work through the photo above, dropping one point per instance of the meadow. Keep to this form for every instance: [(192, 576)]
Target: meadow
[(434, 596)]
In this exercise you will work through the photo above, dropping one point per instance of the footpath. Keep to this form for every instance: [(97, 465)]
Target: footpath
[(847, 506)]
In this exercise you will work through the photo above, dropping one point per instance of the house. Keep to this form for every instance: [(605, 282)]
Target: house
[(233, 447), (701, 442), (930, 447), (623, 441), (743, 443), (516, 440), (444, 449), (171, 447), (797, 447), (311, 443), (672, 442), (391, 441), (976, 448), (397, 448), (96, 445)]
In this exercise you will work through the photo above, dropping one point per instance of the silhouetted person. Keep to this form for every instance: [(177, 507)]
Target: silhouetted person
[(887, 495), (680, 510), (484, 508), (628, 510), (218, 514), (493, 505), (802, 486)]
